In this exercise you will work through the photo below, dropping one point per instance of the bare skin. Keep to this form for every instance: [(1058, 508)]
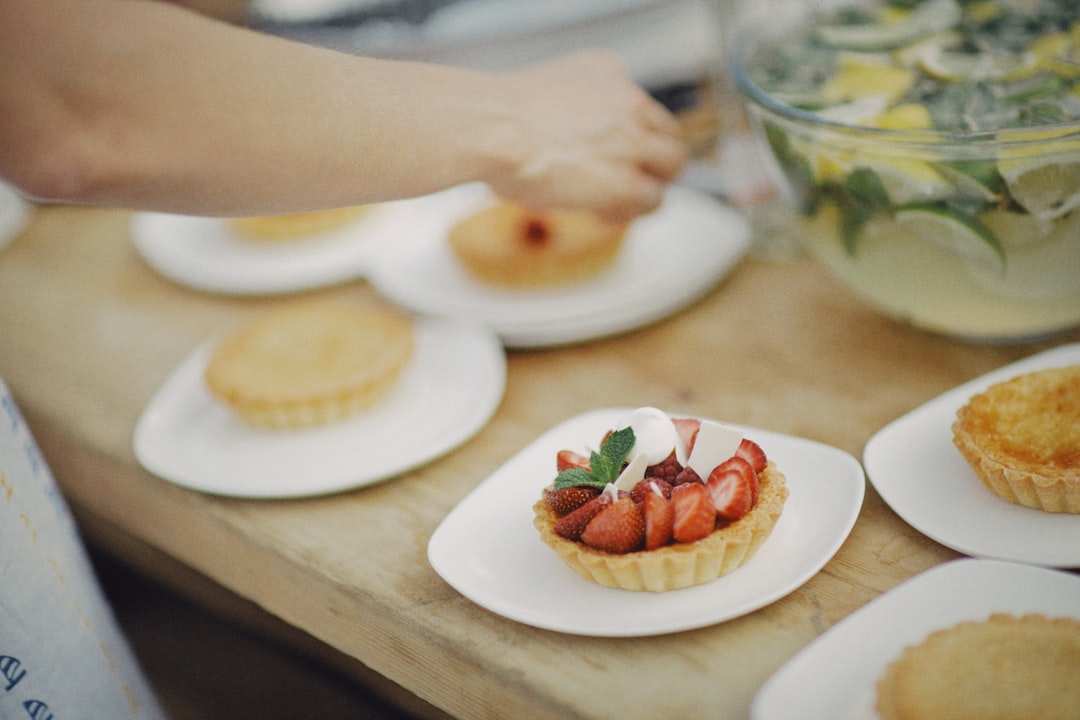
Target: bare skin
[(145, 105)]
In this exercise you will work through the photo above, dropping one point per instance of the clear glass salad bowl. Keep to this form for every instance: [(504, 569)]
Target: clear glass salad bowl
[(932, 151)]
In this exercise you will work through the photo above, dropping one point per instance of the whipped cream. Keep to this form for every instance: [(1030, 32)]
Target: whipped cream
[(656, 437)]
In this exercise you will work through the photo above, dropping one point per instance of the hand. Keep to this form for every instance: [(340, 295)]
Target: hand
[(584, 135)]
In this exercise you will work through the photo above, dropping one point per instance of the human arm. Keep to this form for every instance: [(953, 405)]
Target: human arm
[(149, 106)]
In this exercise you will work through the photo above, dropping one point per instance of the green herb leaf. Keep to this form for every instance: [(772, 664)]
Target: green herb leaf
[(604, 466)]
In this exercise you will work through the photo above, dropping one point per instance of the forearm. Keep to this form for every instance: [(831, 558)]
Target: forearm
[(175, 112)]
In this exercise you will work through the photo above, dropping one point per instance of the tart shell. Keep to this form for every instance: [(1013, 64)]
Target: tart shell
[(679, 565), (310, 362), (1022, 439), (1005, 667)]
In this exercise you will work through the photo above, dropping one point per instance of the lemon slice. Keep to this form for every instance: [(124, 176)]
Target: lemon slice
[(930, 17), (909, 116), (1046, 189), (906, 180), (964, 236), (1047, 186), (1015, 230), (1053, 45), (865, 80), (1037, 271)]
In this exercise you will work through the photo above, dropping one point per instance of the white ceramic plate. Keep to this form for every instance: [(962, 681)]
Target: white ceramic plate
[(15, 212), (916, 469), (446, 394), (489, 551), (670, 258), (834, 677), (202, 253)]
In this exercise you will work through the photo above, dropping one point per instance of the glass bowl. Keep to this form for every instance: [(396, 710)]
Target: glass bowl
[(936, 170)]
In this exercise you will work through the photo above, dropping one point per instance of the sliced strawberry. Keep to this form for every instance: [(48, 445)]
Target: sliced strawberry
[(665, 470), (659, 519), (619, 528), (694, 514), (688, 430), (571, 525), (733, 486), (566, 459), (644, 486), (688, 475), (753, 454), (568, 499)]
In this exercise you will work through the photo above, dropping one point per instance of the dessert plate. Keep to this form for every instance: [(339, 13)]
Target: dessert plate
[(834, 677), (669, 259), (15, 213), (489, 551), (202, 253), (446, 394), (916, 469)]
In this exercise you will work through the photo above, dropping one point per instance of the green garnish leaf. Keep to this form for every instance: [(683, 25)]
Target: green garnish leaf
[(861, 197), (604, 465)]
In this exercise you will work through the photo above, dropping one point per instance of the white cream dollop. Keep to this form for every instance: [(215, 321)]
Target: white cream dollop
[(655, 435)]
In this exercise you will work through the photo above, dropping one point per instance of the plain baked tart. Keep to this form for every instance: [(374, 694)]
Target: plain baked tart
[(1022, 438), (293, 226), (659, 525), (1005, 667), (310, 362)]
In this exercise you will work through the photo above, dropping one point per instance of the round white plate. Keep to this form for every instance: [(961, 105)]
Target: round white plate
[(833, 678), (489, 551), (916, 469), (15, 212), (202, 253), (445, 395), (669, 259)]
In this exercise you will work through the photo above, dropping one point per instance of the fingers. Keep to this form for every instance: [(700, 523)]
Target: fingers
[(655, 117), (662, 157), (657, 141)]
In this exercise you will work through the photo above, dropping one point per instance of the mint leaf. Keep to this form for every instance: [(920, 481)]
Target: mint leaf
[(574, 477), (604, 466)]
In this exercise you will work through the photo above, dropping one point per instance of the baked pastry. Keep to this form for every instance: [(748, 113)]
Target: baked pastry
[(512, 246), (665, 503), (293, 226), (310, 362), (1022, 438), (1003, 668)]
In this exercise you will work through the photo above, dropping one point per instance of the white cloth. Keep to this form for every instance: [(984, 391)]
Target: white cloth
[(62, 655)]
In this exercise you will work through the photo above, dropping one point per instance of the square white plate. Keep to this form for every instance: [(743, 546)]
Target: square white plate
[(202, 253), (446, 394), (834, 677), (916, 469), (669, 258), (489, 551)]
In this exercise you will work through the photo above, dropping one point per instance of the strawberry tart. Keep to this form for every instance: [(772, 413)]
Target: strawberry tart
[(664, 503)]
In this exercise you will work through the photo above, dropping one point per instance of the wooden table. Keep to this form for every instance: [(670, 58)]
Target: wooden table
[(88, 332)]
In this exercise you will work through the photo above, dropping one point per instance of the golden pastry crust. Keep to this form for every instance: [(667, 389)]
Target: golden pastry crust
[(1003, 668), (511, 246), (678, 565), (310, 362), (1022, 438), (293, 226)]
